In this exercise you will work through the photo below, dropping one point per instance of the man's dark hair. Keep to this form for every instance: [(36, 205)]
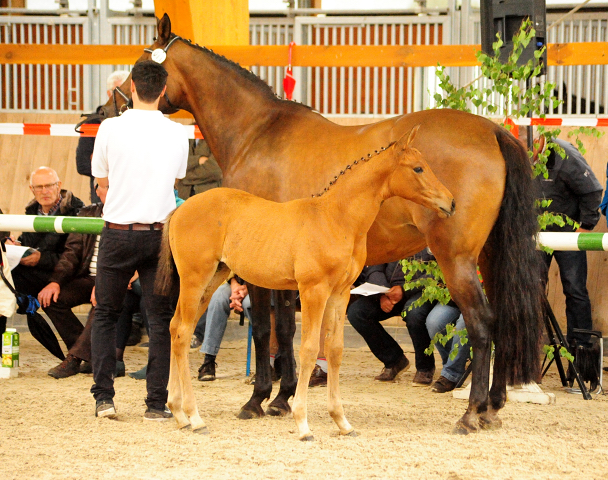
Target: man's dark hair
[(150, 78)]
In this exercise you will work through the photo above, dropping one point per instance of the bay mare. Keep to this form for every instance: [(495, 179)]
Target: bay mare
[(280, 150), (314, 245)]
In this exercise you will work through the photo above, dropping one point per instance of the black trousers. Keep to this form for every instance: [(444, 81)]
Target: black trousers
[(121, 253), (365, 316), (573, 273)]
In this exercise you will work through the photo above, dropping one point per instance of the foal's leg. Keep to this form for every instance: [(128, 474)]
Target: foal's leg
[(260, 320), (285, 327), (334, 346), (460, 273), (190, 293), (314, 300)]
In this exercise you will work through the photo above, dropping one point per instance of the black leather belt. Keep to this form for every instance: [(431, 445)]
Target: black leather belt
[(135, 226)]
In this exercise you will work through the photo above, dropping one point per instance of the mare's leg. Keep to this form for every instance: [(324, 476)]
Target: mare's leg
[(189, 304), (285, 327), (334, 346), (314, 301), (460, 272), (260, 320)]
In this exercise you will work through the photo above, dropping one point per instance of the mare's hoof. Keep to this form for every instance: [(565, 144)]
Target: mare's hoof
[(201, 431), (275, 411), (463, 428), (490, 422), (249, 414), (352, 433), (307, 438)]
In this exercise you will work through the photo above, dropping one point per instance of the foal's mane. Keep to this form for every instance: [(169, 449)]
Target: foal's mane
[(256, 81), (351, 165)]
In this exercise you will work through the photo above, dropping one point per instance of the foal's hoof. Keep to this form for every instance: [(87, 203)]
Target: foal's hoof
[(185, 427), (275, 411), (249, 414), (201, 431), (307, 438), (460, 429), (352, 433)]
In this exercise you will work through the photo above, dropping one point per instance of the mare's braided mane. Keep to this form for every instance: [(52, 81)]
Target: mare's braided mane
[(351, 165)]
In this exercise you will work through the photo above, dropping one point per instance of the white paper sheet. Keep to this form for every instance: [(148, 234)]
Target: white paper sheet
[(369, 289), (14, 254)]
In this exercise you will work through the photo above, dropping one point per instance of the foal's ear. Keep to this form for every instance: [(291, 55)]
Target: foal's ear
[(537, 147), (406, 140), (164, 29)]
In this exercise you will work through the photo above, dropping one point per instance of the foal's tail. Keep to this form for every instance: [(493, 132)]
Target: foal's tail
[(166, 273), (515, 269)]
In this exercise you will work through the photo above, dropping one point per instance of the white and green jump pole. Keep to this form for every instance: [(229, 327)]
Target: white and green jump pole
[(92, 225), (42, 224)]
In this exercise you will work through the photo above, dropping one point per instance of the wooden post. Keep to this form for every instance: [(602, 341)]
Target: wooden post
[(220, 22)]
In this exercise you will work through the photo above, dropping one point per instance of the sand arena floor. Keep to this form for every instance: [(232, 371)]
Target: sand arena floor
[(48, 430)]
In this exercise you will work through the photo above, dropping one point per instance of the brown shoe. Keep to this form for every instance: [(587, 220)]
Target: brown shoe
[(443, 385), (390, 374), (207, 372), (423, 378), (318, 377), (69, 367)]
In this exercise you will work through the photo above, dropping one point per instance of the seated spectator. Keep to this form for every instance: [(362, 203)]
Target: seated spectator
[(71, 284), (366, 313), (202, 174), (230, 295), (453, 369), (35, 271)]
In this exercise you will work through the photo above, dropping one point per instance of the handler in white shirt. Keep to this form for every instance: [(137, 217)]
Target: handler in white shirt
[(140, 155)]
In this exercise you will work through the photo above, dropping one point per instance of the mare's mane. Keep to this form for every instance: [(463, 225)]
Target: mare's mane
[(256, 81), (351, 165)]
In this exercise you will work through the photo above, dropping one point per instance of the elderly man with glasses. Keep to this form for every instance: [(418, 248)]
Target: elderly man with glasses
[(34, 270)]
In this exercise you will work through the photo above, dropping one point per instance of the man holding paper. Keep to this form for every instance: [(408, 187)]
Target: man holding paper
[(366, 313)]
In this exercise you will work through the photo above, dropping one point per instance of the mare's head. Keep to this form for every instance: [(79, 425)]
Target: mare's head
[(165, 50), (414, 180)]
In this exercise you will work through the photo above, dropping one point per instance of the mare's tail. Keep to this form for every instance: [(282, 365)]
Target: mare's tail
[(516, 269), (166, 274)]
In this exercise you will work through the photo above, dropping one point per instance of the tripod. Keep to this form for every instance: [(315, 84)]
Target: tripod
[(557, 340)]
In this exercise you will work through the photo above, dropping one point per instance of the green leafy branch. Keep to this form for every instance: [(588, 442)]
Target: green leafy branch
[(450, 332), (549, 351)]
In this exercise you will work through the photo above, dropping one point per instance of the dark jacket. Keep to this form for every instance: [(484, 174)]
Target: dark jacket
[(199, 177), (573, 187), (50, 245), (84, 150), (76, 258), (391, 274)]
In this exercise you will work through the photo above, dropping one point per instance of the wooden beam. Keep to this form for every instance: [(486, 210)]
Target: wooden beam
[(220, 22), (588, 53)]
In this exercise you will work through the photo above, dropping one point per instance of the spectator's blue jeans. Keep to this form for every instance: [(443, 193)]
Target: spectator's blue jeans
[(213, 322), (436, 321)]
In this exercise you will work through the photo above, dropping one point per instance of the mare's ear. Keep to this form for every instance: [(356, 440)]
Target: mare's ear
[(406, 140), (164, 29)]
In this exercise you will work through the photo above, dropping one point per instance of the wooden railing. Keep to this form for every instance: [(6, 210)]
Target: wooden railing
[(584, 53)]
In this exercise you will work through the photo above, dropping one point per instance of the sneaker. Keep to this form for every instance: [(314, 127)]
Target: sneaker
[(195, 343), (69, 367), (140, 374), (207, 372), (120, 369), (318, 377), (154, 415), (443, 385), (105, 408), (391, 374), (423, 378), (86, 367)]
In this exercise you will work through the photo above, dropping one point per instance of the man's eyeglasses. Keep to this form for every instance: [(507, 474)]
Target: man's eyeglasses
[(40, 188)]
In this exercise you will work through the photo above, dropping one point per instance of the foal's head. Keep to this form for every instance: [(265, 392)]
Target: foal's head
[(414, 180)]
